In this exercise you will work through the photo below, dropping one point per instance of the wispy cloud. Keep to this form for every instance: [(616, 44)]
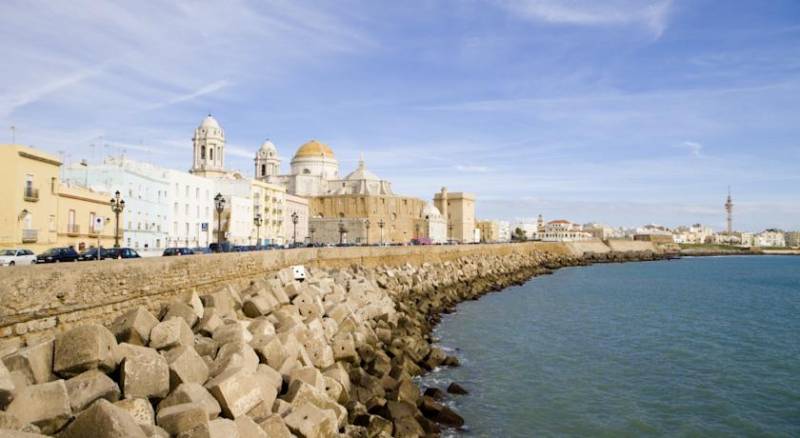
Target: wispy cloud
[(651, 14), (694, 147), (472, 169), (202, 91)]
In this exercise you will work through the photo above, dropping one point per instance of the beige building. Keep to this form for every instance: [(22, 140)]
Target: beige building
[(458, 210), (295, 205), (269, 201), (401, 217), (489, 231), (39, 212)]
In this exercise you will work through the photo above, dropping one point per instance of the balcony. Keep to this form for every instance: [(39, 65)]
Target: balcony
[(30, 194), (93, 232), (30, 236), (73, 230)]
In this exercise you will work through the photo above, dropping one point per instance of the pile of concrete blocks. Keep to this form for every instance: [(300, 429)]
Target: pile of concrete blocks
[(318, 358)]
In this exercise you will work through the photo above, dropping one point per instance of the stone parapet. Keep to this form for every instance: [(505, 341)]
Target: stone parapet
[(44, 298)]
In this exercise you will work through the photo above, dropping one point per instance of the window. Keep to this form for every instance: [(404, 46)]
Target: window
[(71, 218), (186, 209), (187, 191), (28, 183), (197, 193), (202, 152), (51, 222), (211, 154), (92, 225), (263, 169), (176, 208), (175, 228)]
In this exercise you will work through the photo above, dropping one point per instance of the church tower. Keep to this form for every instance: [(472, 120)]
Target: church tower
[(267, 162), (209, 148)]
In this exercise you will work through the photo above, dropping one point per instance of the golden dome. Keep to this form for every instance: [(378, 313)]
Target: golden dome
[(314, 149)]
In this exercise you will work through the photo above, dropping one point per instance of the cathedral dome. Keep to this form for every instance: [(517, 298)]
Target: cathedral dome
[(209, 122), (314, 148), (268, 146), (430, 211), (362, 174)]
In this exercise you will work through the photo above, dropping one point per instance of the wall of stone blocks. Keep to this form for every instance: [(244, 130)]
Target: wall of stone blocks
[(41, 299)]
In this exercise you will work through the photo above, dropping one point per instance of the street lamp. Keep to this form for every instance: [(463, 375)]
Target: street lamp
[(258, 221), (381, 224), (117, 205), (295, 219), (367, 224), (219, 203), (342, 230)]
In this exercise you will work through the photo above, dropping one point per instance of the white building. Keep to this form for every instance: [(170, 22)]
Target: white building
[(435, 224), (563, 231), (696, 234), (530, 229), (602, 232), (145, 190), (770, 239), (504, 231), (191, 212)]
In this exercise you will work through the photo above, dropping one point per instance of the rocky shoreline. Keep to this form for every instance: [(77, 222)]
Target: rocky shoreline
[(334, 355)]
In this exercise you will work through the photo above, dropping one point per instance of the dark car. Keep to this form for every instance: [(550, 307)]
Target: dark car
[(58, 255), (92, 254), (178, 252), (224, 247), (120, 253)]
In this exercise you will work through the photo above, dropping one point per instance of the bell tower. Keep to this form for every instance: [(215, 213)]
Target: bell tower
[(268, 164), (209, 148)]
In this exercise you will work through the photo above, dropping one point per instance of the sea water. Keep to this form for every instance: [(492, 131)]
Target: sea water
[(690, 347)]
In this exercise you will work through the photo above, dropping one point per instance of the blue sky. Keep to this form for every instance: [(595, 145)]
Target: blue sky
[(623, 111)]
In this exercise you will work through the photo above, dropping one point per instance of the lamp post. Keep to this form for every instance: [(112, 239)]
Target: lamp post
[(117, 205), (367, 224), (219, 203), (258, 221), (295, 219), (381, 224), (342, 230)]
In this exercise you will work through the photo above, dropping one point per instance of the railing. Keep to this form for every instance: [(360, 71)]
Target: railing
[(31, 194), (30, 236), (93, 232), (73, 230)]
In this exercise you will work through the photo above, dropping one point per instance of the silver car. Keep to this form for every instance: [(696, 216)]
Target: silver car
[(11, 257)]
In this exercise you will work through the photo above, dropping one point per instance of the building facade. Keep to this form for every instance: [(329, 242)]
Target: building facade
[(41, 212), (145, 190), (295, 231), (208, 148), (458, 210), (190, 215), (561, 230), (489, 231)]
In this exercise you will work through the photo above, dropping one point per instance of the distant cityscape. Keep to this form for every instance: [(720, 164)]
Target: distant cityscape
[(154, 208)]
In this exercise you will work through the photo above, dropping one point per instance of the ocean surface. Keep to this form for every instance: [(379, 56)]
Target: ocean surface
[(690, 347)]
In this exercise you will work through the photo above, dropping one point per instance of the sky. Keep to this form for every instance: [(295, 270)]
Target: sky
[(624, 112)]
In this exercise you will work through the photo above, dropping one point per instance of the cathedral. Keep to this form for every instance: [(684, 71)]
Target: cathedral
[(359, 208)]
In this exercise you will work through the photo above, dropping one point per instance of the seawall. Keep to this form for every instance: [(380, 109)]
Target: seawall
[(334, 354)]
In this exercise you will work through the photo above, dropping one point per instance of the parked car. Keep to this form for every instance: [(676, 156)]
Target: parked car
[(11, 257), (120, 253), (178, 252), (92, 254), (58, 255), (224, 247)]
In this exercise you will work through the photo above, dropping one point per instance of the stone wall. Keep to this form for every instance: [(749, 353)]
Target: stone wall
[(45, 298)]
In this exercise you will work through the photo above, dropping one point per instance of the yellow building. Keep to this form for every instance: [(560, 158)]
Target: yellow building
[(268, 201), (40, 213), (489, 230), (458, 210), (361, 217)]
